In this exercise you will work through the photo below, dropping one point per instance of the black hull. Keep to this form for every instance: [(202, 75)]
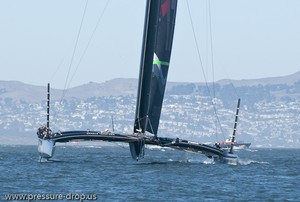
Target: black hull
[(138, 142)]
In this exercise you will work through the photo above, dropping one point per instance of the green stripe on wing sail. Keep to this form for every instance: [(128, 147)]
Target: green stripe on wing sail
[(158, 62)]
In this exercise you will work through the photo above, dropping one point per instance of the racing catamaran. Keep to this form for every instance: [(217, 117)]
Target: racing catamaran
[(155, 59)]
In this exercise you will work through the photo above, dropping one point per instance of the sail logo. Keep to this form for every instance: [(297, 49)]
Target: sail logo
[(164, 7), (157, 71)]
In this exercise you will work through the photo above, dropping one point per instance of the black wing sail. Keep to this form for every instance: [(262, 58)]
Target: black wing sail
[(156, 53)]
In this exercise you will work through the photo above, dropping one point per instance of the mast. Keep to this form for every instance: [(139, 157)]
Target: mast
[(155, 57), (235, 125), (138, 126), (156, 53), (48, 109)]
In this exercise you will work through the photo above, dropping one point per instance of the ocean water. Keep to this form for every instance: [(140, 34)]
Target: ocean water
[(107, 173)]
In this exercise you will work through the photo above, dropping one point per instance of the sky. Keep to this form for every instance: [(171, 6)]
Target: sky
[(246, 39)]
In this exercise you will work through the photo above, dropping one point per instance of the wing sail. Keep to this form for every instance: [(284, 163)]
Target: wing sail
[(155, 59)]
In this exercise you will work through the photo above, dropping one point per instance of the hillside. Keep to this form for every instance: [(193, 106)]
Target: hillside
[(269, 115)]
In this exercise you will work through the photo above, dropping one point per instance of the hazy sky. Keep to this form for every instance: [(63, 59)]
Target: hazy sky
[(251, 39)]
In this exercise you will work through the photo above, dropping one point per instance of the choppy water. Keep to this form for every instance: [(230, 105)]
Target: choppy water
[(109, 174)]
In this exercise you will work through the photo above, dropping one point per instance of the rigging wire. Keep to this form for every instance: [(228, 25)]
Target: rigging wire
[(213, 70), (212, 62), (72, 59), (89, 41), (197, 47), (211, 48), (200, 60), (84, 52), (68, 82), (74, 50)]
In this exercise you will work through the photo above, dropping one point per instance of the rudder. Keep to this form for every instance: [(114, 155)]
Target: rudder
[(137, 149)]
